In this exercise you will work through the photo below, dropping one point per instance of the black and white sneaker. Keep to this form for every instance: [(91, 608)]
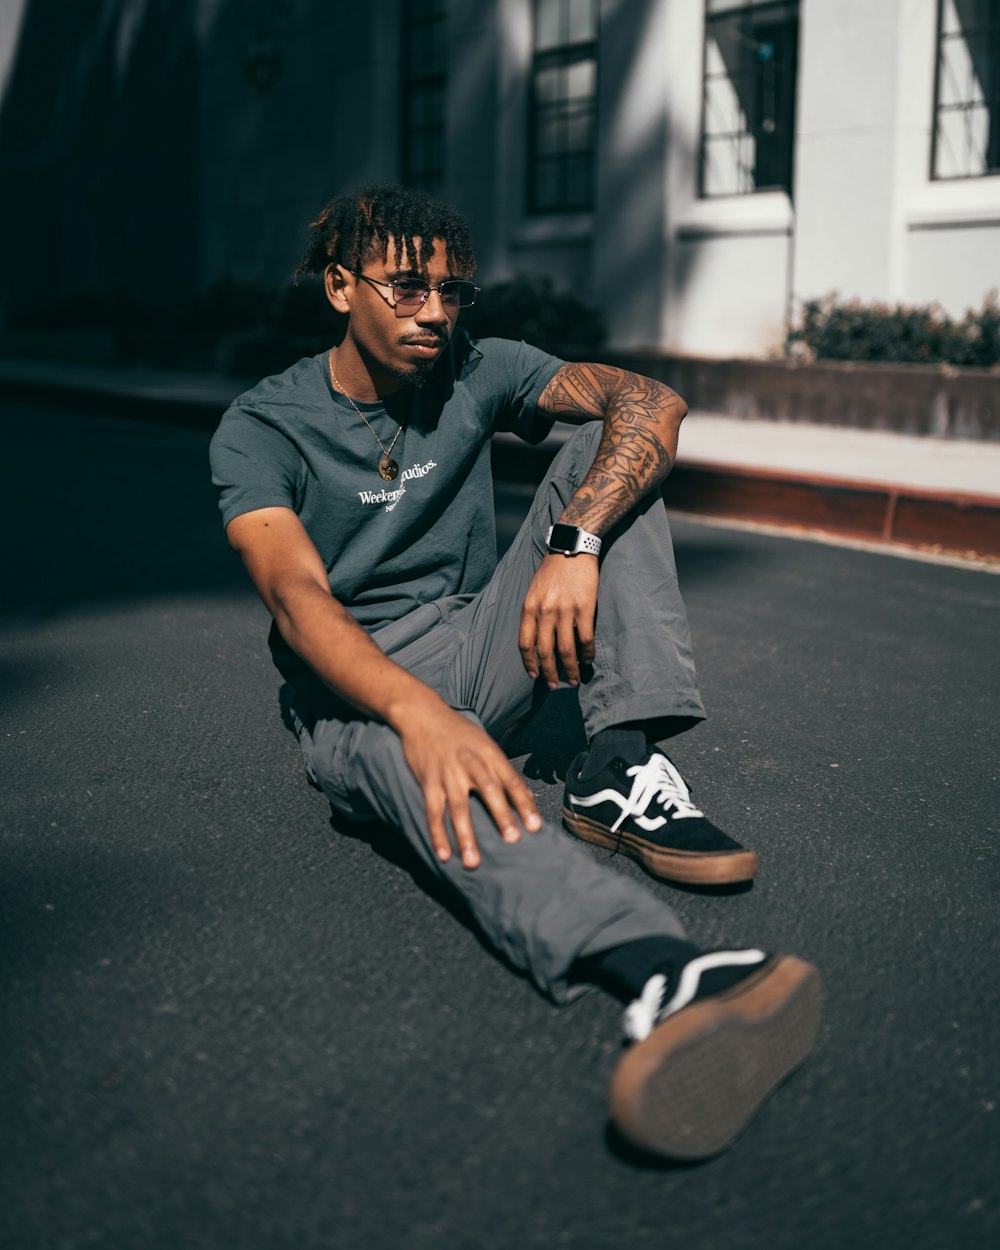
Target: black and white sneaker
[(645, 810), (712, 1042)]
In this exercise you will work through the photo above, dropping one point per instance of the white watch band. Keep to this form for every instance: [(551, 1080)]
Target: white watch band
[(586, 543)]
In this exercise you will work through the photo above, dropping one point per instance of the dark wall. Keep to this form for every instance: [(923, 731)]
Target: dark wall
[(99, 154), (149, 148)]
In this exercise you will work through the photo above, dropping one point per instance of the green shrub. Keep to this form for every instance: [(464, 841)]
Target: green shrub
[(830, 330)]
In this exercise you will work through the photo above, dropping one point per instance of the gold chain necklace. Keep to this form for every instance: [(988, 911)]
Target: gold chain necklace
[(388, 469)]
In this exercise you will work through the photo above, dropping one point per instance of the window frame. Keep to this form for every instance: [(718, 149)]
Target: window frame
[(747, 8), (992, 102), (561, 56), (432, 179)]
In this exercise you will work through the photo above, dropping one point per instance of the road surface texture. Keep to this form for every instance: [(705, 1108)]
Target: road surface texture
[(226, 1024)]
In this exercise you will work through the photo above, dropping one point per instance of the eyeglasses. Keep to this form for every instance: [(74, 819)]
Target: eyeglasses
[(410, 293)]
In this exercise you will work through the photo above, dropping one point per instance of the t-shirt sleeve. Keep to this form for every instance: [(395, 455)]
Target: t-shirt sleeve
[(520, 373), (254, 464)]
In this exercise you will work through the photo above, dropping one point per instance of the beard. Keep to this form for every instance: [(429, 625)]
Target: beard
[(419, 375)]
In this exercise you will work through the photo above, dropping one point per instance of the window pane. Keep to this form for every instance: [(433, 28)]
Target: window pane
[(581, 79), (967, 15), (723, 114), (578, 132), (423, 93), (546, 186), (547, 33), (549, 137), (957, 77), (563, 103), (749, 97), (951, 158), (967, 144), (720, 168), (978, 131), (582, 21), (714, 63), (577, 183), (730, 41), (548, 85)]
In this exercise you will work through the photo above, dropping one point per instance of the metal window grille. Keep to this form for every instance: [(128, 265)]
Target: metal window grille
[(748, 108), (966, 140), (563, 106), (424, 94)]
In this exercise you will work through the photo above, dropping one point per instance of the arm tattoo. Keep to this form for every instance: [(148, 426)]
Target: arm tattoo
[(641, 418)]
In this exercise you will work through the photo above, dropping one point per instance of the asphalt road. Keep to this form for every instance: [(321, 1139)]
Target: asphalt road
[(227, 1024)]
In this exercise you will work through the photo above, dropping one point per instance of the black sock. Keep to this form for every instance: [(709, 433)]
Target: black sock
[(624, 970), (628, 741)]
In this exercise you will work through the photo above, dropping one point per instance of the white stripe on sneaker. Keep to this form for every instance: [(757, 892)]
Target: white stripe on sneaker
[(687, 986), (648, 1010)]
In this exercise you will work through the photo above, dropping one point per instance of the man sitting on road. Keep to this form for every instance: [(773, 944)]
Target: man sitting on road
[(356, 487)]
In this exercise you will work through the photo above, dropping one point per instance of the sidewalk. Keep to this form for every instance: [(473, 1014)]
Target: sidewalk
[(934, 494)]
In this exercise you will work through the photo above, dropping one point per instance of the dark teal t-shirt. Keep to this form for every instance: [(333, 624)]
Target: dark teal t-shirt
[(293, 442)]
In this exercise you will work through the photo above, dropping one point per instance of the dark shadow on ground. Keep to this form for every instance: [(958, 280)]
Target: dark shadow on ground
[(106, 509)]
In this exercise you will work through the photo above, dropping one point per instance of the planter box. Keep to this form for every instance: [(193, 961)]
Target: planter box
[(937, 400)]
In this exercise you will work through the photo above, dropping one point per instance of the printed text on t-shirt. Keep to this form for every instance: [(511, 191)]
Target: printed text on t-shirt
[(392, 497)]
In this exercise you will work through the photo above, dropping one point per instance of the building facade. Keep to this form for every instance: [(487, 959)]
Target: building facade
[(693, 167)]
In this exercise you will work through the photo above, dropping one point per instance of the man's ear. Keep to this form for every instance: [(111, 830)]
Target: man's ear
[(337, 283)]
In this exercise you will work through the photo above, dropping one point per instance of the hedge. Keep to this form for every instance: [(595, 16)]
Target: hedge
[(831, 330)]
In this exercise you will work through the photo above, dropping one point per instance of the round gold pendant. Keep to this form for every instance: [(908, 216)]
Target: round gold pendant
[(388, 469)]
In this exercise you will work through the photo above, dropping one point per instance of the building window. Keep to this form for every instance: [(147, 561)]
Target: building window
[(967, 93), (423, 94), (563, 107), (748, 111)]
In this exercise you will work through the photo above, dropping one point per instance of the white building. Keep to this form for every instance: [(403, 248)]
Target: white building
[(694, 167)]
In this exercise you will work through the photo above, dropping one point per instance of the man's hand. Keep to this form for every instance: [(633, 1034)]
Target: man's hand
[(452, 758), (557, 620)]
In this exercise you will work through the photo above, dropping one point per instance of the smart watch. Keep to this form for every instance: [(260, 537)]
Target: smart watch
[(570, 540)]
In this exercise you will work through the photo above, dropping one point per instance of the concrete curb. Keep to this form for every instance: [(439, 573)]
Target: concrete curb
[(872, 511)]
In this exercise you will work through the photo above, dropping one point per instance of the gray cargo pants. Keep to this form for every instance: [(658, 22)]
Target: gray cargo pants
[(544, 901)]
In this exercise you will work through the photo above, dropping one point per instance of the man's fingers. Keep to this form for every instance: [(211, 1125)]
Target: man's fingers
[(545, 649), (586, 647), (493, 779), (504, 788), (461, 823), (498, 785), (526, 643), (524, 802), (566, 645), (434, 804)]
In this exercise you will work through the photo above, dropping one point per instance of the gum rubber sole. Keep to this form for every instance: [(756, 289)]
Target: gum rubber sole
[(690, 1088), (688, 867)]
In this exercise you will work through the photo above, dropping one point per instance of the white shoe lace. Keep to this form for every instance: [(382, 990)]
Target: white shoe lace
[(640, 1015), (657, 780)]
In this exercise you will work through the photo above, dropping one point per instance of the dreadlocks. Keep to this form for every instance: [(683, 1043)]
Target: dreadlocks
[(355, 229)]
